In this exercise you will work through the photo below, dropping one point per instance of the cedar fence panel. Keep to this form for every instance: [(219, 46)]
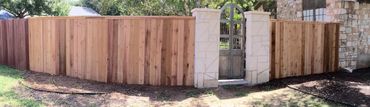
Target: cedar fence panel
[(87, 49), (13, 43), (303, 48), (157, 51), (127, 50), (44, 46)]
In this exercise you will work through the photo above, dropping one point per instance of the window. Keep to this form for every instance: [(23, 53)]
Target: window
[(314, 10)]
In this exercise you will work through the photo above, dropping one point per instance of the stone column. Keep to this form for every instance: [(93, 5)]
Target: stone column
[(258, 42), (207, 39)]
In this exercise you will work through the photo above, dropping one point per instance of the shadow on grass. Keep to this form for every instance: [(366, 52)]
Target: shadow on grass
[(11, 96), (9, 72), (10, 78)]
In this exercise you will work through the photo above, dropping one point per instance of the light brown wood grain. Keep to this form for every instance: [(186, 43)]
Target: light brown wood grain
[(128, 50), (303, 48)]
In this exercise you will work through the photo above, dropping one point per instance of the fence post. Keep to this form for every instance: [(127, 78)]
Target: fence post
[(207, 39), (258, 42)]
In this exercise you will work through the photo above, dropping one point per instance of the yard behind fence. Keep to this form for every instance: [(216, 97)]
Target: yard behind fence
[(303, 48), (129, 50)]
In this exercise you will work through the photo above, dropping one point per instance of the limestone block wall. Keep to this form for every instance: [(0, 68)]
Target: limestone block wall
[(258, 53), (207, 39)]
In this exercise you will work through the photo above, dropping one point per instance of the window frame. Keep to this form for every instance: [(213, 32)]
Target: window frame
[(310, 10)]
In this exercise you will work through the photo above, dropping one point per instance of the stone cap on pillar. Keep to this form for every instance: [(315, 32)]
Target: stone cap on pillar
[(257, 16), (205, 10), (257, 13), (205, 14)]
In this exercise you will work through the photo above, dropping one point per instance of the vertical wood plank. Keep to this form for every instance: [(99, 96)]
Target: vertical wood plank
[(174, 53), (51, 47), (113, 52), (3, 43), (153, 66), (61, 36), (69, 48), (142, 51), (166, 53), (180, 52), (319, 49), (308, 48), (36, 45), (80, 49), (124, 32), (10, 42), (148, 55), (278, 49), (190, 48)]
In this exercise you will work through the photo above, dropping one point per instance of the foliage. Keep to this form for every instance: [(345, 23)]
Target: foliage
[(103, 7), (23, 8), (246, 5), (268, 5), (60, 8), (140, 7), (169, 7), (9, 78)]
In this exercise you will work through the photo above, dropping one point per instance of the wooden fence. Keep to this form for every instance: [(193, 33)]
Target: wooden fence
[(13, 43), (128, 50), (303, 48), (149, 50)]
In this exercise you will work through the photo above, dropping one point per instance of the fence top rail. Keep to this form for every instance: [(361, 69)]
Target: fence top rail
[(300, 21), (113, 17), (12, 19)]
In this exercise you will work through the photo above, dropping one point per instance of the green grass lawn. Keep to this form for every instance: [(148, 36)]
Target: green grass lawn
[(9, 78)]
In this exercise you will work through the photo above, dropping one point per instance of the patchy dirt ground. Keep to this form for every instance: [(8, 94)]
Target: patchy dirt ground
[(351, 89)]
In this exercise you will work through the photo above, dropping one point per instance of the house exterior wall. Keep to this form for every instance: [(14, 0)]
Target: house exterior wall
[(355, 35), (292, 9), (289, 9), (354, 51)]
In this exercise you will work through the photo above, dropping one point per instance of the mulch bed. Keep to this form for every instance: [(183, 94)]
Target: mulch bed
[(349, 88)]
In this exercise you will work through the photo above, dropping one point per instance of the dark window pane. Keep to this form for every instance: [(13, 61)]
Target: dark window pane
[(225, 44), (225, 28), (237, 43)]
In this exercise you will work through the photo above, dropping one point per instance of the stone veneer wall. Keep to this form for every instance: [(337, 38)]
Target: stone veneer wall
[(288, 9), (292, 9), (354, 32)]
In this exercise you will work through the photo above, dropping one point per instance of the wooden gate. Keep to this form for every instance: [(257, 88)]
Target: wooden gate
[(232, 39)]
